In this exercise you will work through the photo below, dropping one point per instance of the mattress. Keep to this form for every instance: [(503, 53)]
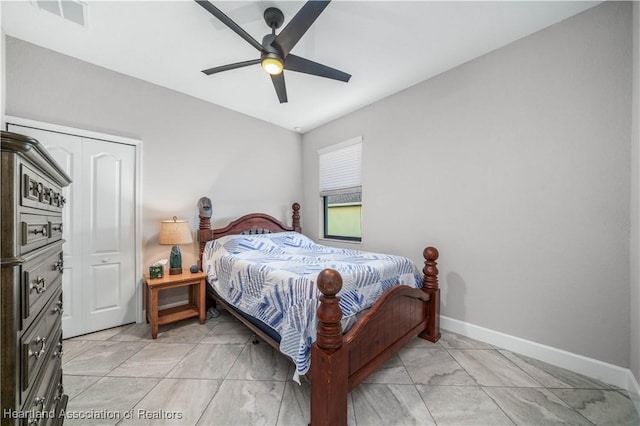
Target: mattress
[(272, 278)]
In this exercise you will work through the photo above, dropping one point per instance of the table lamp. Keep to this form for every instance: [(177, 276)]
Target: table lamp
[(174, 232)]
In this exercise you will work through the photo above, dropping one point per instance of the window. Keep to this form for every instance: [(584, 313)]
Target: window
[(341, 190)]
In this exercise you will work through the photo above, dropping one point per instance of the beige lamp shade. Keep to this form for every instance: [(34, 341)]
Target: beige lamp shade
[(175, 232)]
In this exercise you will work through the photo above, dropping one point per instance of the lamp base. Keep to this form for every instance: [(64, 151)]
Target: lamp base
[(175, 261)]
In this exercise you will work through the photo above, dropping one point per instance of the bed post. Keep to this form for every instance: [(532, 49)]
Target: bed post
[(205, 224), (296, 217), (430, 286), (329, 368)]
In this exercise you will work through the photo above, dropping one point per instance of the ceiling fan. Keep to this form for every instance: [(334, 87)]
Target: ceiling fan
[(275, 49)]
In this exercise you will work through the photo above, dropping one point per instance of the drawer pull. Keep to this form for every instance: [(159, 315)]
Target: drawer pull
[(59, 309), (40, 286), (56, 227), (41, 341), (59, 265), (38, 401), (63, 201), (59, 353), (61, 388), (33, 185), (40, 191), (42, 231), (60, 392), (46, 195)]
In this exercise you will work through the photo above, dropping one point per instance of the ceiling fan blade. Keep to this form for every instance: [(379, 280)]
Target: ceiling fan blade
[(296, 63), (278, 84), (231, 66), (229, 23), (299, 25)]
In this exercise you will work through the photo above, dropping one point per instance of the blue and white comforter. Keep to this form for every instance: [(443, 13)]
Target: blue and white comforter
[(272, 277)]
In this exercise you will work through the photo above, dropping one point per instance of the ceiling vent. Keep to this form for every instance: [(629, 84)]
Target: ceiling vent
[(71, 10)]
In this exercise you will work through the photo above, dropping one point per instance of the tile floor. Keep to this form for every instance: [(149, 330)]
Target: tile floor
[(212, 374)]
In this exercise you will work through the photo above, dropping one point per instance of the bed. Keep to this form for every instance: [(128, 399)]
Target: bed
[(344, 351)]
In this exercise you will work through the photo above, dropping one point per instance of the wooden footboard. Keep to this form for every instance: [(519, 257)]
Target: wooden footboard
[(341, 362)]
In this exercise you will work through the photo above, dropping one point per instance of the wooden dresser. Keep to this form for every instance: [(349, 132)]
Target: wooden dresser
[(31, 293)]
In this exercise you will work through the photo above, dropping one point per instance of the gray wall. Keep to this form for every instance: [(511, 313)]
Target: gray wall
[(516, 166), (190, 148)]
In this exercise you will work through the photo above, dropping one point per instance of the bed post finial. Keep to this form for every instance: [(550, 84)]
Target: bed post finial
[(296, 217), (329, 312), (430, 269), (430, 286), (329, 364)]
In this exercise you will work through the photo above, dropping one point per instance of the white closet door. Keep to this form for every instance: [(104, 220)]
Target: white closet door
[(98, 283), (108, 239), (66, 150)]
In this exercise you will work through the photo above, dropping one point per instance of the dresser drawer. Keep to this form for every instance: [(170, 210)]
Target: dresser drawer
[(53, 356), (41, 277), (35, 231), (40, 402), (38, 192), (39, 344), (48, 398), (39, 230)]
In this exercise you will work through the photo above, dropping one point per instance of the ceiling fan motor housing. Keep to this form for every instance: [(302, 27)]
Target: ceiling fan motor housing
[(267, 47)]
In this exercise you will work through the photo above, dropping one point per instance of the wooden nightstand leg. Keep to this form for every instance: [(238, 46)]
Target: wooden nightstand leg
[(202, 301), (154, 313), (147, 302)]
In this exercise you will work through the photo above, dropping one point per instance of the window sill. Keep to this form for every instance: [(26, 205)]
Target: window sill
[(339, 241)]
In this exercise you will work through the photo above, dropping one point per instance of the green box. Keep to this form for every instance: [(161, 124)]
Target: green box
[(155, 271)]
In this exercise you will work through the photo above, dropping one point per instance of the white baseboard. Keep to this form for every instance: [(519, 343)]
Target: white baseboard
[(608, 373)]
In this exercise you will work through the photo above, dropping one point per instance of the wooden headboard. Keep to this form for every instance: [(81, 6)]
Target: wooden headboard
[(259, 222)]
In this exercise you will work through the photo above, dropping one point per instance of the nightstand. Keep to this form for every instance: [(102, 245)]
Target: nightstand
[(195, 307)]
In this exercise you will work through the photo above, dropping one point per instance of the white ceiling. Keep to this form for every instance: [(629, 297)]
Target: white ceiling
[(386, 46)]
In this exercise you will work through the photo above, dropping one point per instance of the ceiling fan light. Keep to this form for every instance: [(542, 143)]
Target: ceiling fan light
[(272, 65)]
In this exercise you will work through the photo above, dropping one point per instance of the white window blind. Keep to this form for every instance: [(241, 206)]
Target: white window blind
[(341, 168)]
